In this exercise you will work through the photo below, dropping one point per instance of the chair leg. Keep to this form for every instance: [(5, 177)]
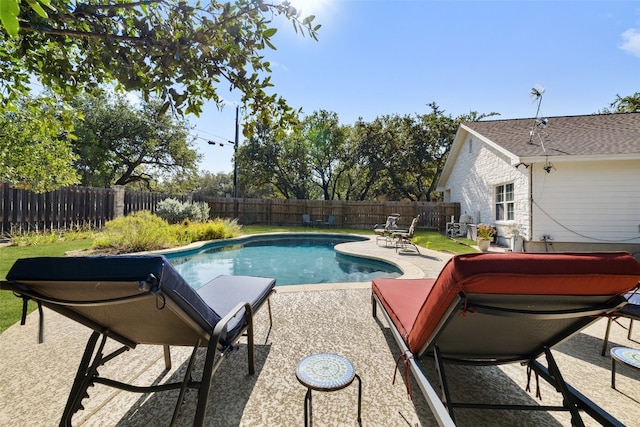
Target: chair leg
[(167, 357), (86, 371), (250, 343), (606, 337), (446, 396), (205, 383), (569, 400), (185, 382)]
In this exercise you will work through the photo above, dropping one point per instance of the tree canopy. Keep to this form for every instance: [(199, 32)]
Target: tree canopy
[(36, 145), (394, 157), (183, 52), (119, 143), (268, 161), (625, 104)]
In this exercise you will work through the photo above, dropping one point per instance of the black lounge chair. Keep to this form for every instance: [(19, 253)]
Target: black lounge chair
[(493, 308), (142, 300)]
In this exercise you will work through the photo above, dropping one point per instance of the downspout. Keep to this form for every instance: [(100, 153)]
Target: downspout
[(530, 206)]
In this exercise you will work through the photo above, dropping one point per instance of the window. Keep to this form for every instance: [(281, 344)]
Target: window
[(504, 202)]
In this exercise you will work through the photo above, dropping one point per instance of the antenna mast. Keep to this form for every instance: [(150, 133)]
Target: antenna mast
[(536, 94)]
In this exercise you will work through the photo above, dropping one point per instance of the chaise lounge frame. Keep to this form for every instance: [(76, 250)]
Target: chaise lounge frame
[(108, 293), (469, 297)]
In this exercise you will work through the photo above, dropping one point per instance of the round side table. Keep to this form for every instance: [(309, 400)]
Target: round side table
[(626, 356), (326, 372)]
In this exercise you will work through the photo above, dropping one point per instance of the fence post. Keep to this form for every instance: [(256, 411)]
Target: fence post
[(118, 201)]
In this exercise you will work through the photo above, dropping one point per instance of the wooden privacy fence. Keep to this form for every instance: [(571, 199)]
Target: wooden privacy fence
[(87, 207), (69, 208), (348, 214), (66, 208)]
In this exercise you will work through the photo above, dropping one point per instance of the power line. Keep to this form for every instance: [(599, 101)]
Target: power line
[(211, 135)]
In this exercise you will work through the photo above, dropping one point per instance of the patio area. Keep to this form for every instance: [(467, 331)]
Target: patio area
[(35, 379)]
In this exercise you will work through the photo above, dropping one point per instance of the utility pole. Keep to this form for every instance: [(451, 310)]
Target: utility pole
[(235, 152), (235, 156)]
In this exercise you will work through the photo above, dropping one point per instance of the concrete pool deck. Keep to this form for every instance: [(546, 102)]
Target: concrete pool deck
[(35, 379)]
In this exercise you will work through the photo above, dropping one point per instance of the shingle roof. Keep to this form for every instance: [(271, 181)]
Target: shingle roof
[(602, 134)]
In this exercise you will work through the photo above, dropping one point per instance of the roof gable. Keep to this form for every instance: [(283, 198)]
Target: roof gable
[(594, 135)]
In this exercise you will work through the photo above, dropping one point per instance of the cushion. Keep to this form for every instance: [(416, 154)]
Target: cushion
[(225, 292), (109, 277), (601, 273)]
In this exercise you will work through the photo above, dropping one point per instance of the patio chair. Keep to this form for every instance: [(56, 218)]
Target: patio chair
[(404, 238), (383, 232), (142, 300), (306, 220), (331, 221), (630, 311), (492, 309)]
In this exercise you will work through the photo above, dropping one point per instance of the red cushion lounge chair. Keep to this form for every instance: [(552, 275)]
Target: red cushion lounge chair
[(142, 299), (490, 308)]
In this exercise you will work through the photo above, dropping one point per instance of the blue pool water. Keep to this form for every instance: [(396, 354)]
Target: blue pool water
[(292, 261)]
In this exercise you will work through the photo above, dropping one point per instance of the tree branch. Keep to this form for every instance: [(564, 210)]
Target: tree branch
[(87, 9), (80, 34)]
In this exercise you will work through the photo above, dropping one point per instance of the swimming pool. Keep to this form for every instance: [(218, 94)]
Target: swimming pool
[(292, 260)]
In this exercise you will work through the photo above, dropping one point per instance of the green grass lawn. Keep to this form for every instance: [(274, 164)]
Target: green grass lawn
[(11, 307)]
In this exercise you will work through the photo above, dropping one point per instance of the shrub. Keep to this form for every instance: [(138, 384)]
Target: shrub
[(174, 211), (213, 230), (139, 231), (45, 237)]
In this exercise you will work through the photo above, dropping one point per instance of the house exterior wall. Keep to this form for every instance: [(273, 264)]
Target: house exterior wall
[(477, 170), (587, 205)]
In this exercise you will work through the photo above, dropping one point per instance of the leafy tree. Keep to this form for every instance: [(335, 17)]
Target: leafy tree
[(327, 150), (626, 104), (423, 145), (35, 146), (268, 160), (401, 158), (185, 52), (373, 150), (119, 143), (394, 157), (214, 185)]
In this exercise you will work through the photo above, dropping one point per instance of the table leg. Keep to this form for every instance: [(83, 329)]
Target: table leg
[(307, 409), (359, 400), (613, 373)]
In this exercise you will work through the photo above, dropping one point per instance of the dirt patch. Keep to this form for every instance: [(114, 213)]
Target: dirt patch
[(93, 252)]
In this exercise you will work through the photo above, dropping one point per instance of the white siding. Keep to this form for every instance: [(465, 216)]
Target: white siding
[(478, 168), (587, 202)]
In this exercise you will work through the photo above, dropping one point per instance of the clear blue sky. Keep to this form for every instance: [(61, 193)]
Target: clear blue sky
[(380, 57)]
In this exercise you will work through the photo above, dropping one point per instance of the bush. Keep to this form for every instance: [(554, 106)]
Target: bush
[(46, 237), (174, 211), (212, 230), (139, 231), (143, 231)]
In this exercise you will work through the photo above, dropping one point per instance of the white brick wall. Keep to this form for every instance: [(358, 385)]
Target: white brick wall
[(477, 170), (579, 203)]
